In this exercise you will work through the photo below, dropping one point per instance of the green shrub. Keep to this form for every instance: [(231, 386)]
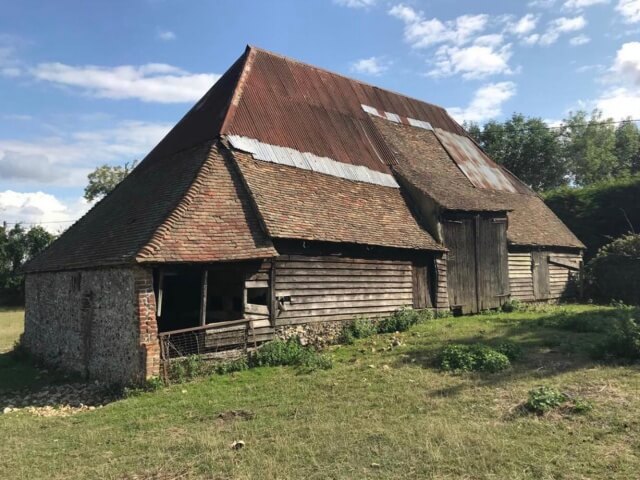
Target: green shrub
[(188, 368), (237, 365), (513, 305), (543, 399), (361, 327), (614, 273), (511, 350), (581, 406), (288, 352), (598, 212), (622, 341), (472, 358), (399, 321)]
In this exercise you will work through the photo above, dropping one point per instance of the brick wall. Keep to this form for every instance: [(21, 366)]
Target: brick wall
[(99, 323)]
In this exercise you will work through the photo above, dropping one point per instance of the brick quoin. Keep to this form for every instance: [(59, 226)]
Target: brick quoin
[(146, 308)]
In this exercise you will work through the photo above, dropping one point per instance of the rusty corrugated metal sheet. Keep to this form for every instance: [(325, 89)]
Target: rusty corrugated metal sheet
[(478, 167), (291, 104)]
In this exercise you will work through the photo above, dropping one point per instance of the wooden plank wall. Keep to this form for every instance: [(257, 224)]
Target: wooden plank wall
[(327, 288), (564, 269), (521, 276), (563, 281), (442, 294)]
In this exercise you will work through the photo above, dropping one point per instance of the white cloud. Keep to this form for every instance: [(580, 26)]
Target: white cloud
[(66, 159), (32, 208), (619, 103), (153, 82), (420, 32), (524, 25), (621, 99), (626, 66), (579, 40), (370, 66), (581, 4), (541, 3), (556, 28), (166, 35), (630, 10), (355, 3), (475, 61), (486, 103)]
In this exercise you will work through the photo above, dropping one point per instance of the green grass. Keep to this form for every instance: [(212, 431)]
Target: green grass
[(403, 418), (11, 326)]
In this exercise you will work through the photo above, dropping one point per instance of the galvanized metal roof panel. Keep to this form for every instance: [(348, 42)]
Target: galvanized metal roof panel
[(481, 171)]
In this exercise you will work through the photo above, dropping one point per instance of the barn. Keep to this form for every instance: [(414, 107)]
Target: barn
[(287, 201)]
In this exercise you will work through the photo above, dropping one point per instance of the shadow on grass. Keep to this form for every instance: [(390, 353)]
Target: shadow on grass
[(553, 343), (25, 384)]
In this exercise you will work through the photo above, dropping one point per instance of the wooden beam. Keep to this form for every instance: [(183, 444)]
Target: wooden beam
[(203, 297), (160, 293)]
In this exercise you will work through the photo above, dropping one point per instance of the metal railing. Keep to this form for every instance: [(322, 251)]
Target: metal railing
[(206, 339)]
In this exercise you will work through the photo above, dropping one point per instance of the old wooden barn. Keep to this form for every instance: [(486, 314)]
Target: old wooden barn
[(288, 200)]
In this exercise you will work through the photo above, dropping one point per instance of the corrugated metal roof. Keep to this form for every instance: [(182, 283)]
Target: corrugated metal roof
[(290, 104), (481, 171), (308, 161)]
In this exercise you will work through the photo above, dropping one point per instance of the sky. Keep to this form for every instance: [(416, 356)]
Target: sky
[(87, 83)]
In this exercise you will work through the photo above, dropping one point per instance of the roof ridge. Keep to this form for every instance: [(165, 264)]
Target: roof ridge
[(249, 55), (155, 240), (341, 75)]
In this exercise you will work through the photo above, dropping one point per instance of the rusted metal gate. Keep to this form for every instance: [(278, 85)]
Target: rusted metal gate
[(477, 263)]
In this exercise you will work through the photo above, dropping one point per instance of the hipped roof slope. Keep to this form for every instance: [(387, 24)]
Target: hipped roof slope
[(273, 100)]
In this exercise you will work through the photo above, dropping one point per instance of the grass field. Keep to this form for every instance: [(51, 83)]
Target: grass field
[(11, 324), (381, 412)]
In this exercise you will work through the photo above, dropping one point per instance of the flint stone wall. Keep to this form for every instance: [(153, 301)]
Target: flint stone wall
[(318, 334), (99, 323)]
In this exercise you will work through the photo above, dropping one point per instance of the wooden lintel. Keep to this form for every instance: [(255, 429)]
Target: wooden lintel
[(203, 297)]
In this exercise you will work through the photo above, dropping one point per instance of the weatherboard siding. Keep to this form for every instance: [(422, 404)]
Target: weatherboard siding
[(322, 289), (561, 275)]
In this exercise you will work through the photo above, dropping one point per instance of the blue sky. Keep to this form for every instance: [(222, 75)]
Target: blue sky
[(88, 83)]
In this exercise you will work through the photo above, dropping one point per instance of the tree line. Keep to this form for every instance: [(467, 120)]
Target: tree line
[(17, 246), (584, 150)]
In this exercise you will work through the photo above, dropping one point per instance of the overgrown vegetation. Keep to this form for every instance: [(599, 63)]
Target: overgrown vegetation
[(379, 413), (619, 328), (276, 353), (543, 399), (399, 321), (459, 358), (289, 352), (599, 213), (614, 273)]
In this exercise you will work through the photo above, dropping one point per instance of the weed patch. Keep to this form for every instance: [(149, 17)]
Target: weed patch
[(472, 358)]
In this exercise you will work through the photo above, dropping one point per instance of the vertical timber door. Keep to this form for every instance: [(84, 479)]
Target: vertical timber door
[(540, 271), (459, 237), (477, 262), (493, 262)]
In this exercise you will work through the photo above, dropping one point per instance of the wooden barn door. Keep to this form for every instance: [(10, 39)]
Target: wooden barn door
[(459, 237), (477, 262), (540, 270), (493, 262)]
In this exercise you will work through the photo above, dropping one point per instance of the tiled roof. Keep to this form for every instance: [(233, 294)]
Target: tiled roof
[(301, 204), (214, 221), (184, 202), (120, 224), (425, 164)]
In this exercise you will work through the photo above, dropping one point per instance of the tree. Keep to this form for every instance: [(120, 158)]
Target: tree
[(16, 247), (627, 148), (589, 147), (527, 147), (105, 178)]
